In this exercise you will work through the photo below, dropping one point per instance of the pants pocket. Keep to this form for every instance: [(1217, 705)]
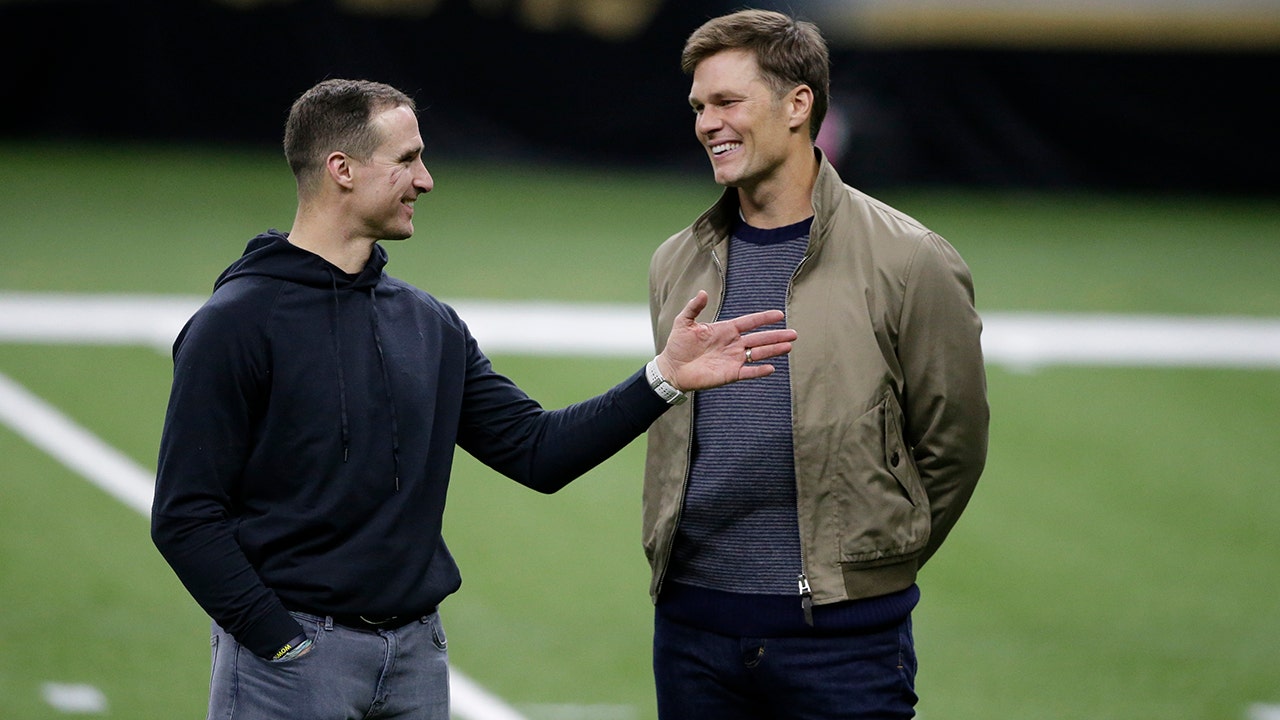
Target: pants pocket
[(437, 633)]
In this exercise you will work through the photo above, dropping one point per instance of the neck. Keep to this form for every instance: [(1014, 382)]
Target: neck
[(348, 251), (784, 198)]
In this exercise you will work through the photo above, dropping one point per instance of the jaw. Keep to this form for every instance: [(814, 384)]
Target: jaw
[(726, 165)]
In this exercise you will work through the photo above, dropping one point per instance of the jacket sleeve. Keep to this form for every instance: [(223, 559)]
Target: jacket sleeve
[(219, 366), (547, 449), (945, 398)]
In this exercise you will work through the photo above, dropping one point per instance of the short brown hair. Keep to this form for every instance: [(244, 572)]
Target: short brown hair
[(790, 52), (333, 116)]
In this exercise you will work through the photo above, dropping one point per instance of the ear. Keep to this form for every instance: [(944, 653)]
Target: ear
[(800, 106), (338, 166)]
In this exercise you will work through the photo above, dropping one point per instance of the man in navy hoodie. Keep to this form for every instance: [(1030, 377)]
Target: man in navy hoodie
[(310, 432)]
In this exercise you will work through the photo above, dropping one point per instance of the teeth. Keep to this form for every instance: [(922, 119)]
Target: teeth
[(724, 147)]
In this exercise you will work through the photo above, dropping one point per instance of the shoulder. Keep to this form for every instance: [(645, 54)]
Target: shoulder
[(241, 300), (706, 231), (678, 245), (422, 305), (883, 227), (863, 231), (236, 310)]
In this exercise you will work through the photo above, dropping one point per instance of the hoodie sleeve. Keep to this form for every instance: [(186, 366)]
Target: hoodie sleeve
[(221, 366), (547, 449)]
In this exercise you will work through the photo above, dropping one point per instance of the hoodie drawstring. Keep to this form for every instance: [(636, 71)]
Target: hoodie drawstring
[(342, 380), (386, 384), (386, 380)]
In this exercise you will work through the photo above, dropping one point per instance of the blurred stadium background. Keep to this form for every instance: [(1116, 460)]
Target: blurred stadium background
[(1163, 94), (1106, 159)]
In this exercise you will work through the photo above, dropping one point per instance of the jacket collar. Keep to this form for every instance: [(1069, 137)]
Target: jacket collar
[(714, 226)]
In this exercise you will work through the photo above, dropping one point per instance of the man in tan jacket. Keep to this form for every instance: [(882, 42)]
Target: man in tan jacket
[(785, 520)]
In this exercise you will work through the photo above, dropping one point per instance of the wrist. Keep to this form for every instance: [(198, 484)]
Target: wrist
[(664, 388)]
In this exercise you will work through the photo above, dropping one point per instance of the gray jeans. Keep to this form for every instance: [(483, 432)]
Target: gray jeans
[(347, 674)]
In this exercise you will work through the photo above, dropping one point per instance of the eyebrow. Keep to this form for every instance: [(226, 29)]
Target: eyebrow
[(411, 153), (718, 96)]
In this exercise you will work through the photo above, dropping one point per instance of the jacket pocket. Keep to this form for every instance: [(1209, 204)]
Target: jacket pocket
[(884, 506), (897, 455)]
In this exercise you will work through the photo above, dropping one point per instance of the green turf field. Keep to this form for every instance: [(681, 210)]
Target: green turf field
[(1118, 560)]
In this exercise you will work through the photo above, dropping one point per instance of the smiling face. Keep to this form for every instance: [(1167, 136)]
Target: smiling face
[(749, 132), (387, 183)]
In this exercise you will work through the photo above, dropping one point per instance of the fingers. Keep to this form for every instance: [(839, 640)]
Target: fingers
[(744, 323), (767, 337), (767, 344), (764, 352), (751, 372)]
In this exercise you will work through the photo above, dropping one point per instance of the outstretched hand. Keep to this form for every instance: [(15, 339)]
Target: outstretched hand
[(706, 355)]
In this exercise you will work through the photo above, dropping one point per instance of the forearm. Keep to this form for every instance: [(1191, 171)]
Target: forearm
[(219, 577), (949, 490), (546, 450)]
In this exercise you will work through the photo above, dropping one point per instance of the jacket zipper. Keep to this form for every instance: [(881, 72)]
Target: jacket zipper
[(806, 595), (802, 582)]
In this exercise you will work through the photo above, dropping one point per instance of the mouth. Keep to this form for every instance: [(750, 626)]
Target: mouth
[(721, 148)]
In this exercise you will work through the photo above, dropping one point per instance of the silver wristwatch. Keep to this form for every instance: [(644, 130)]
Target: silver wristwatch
[(665, 390)]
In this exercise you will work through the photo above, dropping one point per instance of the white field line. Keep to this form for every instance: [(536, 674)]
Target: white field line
[(1015, 340), (74, 698), (45, 427), (1259, 711)]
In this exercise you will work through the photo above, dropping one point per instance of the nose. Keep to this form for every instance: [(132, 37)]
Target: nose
[(423, 180), (707, 121)]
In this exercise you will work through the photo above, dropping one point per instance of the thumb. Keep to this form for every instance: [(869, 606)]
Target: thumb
[(689, 315)]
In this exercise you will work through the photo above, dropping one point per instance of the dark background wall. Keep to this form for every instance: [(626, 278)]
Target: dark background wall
[(493, 83)]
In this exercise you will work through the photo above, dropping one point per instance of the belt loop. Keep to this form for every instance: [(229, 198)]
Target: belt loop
[(328, 622)]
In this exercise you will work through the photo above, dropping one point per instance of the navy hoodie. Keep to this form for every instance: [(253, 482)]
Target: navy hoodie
[(309, 438)]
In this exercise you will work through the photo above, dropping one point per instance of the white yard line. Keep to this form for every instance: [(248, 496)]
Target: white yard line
[(1259, 711), (74, 698), (1029, 340), (1014, 340), (45, 427)]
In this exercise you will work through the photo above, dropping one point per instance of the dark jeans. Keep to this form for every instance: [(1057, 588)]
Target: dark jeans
[(347, 675), (706, 676)]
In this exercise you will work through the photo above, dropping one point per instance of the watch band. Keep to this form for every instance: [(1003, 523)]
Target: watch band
[(664, 389)]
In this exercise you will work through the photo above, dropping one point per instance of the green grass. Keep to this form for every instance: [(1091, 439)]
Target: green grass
[(1117, 560), (145, 219), (1113, 562)]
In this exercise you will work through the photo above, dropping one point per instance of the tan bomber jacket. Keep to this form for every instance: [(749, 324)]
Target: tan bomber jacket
[(889, 403)]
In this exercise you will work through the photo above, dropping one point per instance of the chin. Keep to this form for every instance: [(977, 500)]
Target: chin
[(399, 233), (726, 180)]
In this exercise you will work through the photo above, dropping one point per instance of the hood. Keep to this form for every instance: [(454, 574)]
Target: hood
[(272, 255)]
